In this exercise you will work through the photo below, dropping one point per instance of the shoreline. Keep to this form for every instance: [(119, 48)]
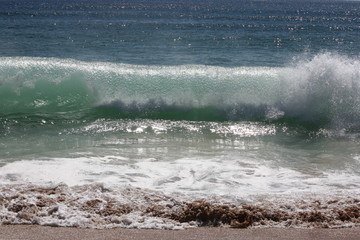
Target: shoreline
[(94, 206), (32, 232)]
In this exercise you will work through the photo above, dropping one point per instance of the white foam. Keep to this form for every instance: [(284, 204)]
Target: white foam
[(192, 175), (40, 204)]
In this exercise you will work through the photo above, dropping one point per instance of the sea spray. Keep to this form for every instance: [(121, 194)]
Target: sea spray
[(324, 91)]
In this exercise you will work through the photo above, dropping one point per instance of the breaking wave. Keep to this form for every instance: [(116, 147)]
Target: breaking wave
[(322, 91)]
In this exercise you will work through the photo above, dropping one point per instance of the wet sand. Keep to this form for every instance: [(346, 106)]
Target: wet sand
[(30, 232)]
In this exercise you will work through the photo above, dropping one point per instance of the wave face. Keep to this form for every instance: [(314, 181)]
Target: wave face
[(322, 91)]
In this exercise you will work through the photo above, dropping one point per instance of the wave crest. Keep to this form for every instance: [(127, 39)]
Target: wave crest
[(322, 91)]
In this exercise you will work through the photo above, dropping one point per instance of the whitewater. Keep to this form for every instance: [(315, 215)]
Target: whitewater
[(173, 115), (240, 136)]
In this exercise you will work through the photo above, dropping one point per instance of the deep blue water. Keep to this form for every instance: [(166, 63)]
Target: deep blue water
[(166, 32)]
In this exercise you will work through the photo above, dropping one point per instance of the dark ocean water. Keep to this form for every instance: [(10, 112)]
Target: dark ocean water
[(142, 107), (220, 33)]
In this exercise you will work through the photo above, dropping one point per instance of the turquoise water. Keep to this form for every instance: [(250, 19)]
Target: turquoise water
[(235, 100)]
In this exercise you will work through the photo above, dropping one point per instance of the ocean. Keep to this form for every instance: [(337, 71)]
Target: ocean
[(178, 114)]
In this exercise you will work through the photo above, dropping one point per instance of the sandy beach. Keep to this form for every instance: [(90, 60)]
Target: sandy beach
[(30, 232)]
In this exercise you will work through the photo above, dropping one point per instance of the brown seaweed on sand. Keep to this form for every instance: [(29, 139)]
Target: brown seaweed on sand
[(52, 206), (243, 216)]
